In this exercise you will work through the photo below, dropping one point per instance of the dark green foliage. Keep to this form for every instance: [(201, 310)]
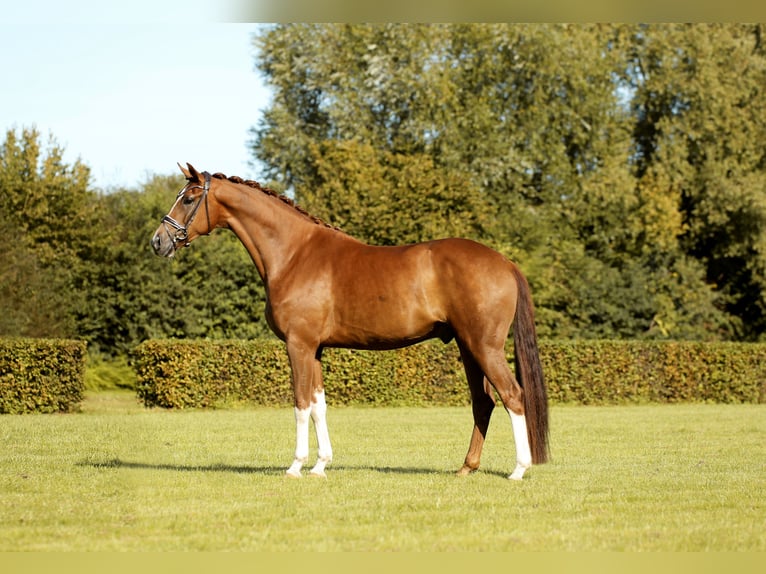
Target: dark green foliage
[(365, 192), (41, 375), (621, 165), (189, 374), (48, 234), (33, 301), (76, 263)]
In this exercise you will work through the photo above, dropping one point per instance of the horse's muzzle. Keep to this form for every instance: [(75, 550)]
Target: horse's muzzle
[(162, 248)]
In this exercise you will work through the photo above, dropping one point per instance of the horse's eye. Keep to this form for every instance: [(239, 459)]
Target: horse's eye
[(188, 200)]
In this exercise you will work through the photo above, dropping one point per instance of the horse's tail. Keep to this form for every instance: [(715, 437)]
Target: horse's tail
[(529, 371)]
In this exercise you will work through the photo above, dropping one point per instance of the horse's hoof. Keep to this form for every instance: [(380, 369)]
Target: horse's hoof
[(518, 473), (292, 474), (465, 471), (321, 474)]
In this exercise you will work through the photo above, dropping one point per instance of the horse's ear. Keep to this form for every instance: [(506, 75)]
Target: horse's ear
[(184, 171), (193, 173)]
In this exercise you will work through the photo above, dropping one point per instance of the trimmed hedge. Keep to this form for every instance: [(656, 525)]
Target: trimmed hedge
[(186, 374), (193, 374), (621, 372), (41, 375)]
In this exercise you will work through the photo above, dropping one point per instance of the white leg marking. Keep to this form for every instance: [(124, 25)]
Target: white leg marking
[(523, 453), (301, 441), (324, 448)]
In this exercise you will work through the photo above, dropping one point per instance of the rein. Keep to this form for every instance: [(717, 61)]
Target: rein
[(181, 232)]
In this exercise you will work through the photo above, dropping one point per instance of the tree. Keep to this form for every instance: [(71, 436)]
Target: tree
[(79, 263), (49, 200), (521, 133), (379, 196), (32, 297), (50, 227), (700, 114)]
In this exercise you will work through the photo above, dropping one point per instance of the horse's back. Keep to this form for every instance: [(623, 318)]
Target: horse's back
[(467, 255), (384, 297), (442, 272)]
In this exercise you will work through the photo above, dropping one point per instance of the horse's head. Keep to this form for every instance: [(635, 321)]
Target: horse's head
[(184, 222)]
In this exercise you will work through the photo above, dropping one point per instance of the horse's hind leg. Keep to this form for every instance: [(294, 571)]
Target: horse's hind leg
[(495, 366), (482, 404), (492, 362)]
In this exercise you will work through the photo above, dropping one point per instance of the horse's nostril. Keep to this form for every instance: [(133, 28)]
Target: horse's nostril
[(156, 242)]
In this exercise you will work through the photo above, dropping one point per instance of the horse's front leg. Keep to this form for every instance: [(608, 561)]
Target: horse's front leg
[(309, 404)]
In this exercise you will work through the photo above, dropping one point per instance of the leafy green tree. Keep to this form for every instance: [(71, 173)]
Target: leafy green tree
[(700, 113), (79, 263), (47, 199), (49, 212), (524, 134), (32, 296), (379, 196)]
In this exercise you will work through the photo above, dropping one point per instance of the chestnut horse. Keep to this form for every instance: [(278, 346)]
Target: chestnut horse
[(327, 289)]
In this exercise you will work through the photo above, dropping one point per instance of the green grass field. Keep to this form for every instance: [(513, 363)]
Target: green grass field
[(635, 478)]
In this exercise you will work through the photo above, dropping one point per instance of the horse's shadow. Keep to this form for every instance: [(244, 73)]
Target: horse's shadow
[(226, 468), (264, 470)]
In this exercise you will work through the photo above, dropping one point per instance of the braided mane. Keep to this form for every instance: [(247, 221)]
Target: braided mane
[(272, 193)]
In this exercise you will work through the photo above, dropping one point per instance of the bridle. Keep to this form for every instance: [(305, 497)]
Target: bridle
[(181, 232)]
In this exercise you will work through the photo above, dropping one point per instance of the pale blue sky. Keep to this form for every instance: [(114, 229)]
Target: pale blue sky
[(133, 86), (130, 95)]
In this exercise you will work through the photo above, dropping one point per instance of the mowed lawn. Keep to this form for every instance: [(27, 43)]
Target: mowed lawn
[(635, 478)]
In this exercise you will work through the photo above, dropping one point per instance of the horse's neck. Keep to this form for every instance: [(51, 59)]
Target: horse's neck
[(269, 229)]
